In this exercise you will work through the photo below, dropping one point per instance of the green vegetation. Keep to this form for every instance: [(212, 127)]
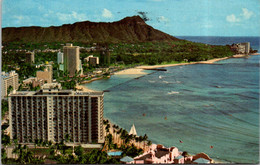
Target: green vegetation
[(116, 56), (129, 53), (152, 53), (4, 107)]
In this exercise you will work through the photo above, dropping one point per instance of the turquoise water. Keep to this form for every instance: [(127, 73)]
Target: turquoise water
[(115, 153), (205, 105)]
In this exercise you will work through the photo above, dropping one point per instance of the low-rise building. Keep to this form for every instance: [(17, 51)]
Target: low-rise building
[(34, 81), (158, 154), (51, 86), (93, 61), (127, 160), (241, 48), (45, 75)]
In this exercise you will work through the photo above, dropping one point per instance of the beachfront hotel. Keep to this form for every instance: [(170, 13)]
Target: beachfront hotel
[(50, 114), (71, 59)]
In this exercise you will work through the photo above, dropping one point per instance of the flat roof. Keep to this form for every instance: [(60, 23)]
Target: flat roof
[(50, 92)]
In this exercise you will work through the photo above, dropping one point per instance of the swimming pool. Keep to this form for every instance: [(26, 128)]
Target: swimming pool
[(114, 153)]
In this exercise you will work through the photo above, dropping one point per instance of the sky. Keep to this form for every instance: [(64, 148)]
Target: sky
[(175, 17)]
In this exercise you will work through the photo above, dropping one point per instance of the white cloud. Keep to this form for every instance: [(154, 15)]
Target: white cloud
[(163, 19), (107, 14), (246, 13), (232, 18), (19, 19), (73, 16)]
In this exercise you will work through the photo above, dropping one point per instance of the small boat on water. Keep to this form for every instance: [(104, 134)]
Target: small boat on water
[(160, 77)]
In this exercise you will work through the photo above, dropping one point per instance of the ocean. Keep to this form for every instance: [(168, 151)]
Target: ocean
[(202, 105)]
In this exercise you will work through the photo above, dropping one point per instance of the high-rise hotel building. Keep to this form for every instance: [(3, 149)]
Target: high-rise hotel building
[(7, 80), (52, 114), (71, 59)]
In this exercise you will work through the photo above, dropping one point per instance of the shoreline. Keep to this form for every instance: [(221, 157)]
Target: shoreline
[(147, 67), (134, 70), (140, 71)]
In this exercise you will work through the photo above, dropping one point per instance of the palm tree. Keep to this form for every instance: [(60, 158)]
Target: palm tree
[(137, 141), (109, 140), (107, 128), (28, 156), (149, 143), (79, 151), (140, 139), (144, 139)]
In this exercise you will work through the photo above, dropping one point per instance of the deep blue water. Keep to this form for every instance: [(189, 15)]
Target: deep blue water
[(205, 105), (254, 41)]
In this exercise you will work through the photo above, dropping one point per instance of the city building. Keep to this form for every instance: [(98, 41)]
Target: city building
[(34, 81), (51, 86), (54, 114), (60, 58), (45, 75), (71, 61), (247, 47), (93, 61), (87, 58), (7, 80), (29, 57), (127, 160), (105, 57), (158, 154), (241, 48)]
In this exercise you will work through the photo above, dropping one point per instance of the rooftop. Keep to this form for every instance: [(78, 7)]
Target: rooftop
[(126, 159), (201, 161), (55, 92), (6, 75), (161, 152)]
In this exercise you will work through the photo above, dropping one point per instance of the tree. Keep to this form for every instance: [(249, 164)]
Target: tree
[(9, 89), (3, 155), (4, 107), (79, 151), (149, 143), (184, 154), (109, 140)]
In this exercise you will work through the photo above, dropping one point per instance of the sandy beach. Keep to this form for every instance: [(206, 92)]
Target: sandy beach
[(84, 89), (139, 69), (131, 71)]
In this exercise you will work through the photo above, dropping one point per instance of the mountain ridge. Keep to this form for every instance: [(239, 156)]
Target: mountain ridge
[(128, 29)]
